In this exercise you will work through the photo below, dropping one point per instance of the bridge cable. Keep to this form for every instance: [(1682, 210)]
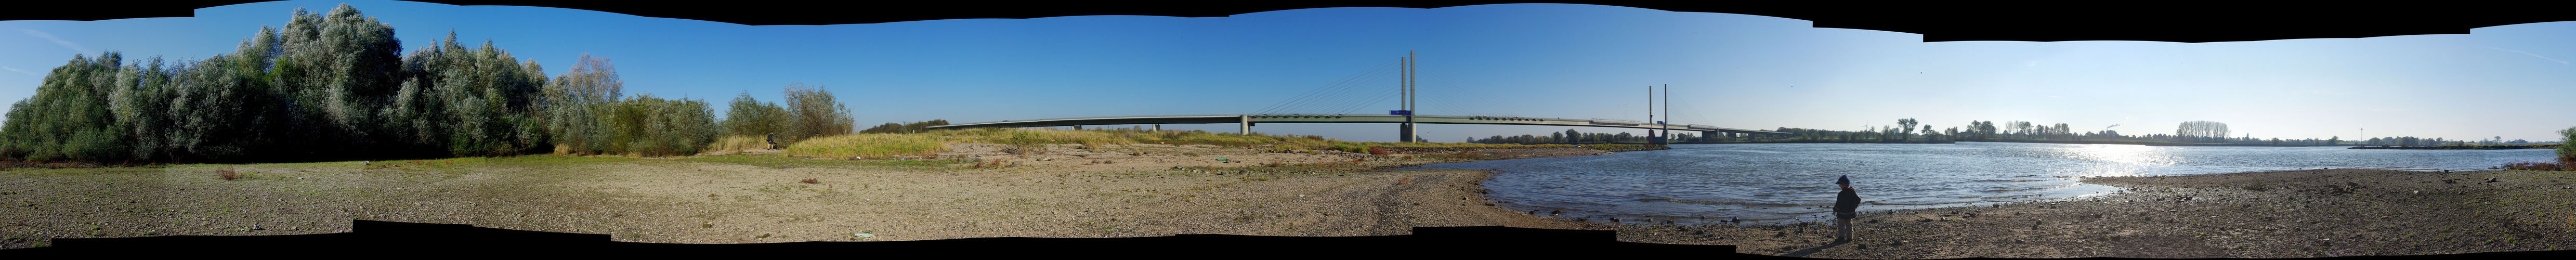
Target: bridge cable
[(1335, 95), (1300, 99), (1357, 92), (1378, 98), (1472, 94), (1326, 94), (1341, 91)]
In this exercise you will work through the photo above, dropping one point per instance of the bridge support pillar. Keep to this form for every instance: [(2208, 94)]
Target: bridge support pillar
[(1406, 134), (1704, 135), (1245, 126)]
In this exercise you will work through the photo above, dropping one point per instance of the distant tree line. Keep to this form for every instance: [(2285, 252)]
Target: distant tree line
[(2194, 131), (333, 86), (1570, 136), (1909, 130)]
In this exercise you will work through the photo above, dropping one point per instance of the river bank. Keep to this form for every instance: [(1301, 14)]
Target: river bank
[(2283, 214)]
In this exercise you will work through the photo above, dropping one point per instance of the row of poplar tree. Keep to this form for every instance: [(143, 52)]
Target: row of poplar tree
[(334, 87), (1569, 136)]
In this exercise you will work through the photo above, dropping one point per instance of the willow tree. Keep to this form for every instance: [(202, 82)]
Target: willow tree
[(332, 86), (576, 104), (2567, 146), (750, 117), (332, 69), (813, 112), (470, 101)]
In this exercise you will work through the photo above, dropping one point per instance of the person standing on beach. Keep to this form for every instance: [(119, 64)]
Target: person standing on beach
[(1844, 206)]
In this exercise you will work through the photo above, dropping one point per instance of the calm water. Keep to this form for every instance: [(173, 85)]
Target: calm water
[(1781, 182)]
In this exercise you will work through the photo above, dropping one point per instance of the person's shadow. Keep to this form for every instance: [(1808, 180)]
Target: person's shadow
[(1812, 250)]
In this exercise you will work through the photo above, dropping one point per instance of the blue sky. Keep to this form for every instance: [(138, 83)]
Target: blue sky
[(1534, 60)]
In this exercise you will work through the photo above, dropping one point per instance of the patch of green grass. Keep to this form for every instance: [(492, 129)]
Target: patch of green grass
[(545, 159), (870, 145), (775, 161)]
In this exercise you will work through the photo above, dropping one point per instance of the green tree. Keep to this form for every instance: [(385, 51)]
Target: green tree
[(813, 112), (1908, 125), (2566, 146), (750, 117), (577, 105)]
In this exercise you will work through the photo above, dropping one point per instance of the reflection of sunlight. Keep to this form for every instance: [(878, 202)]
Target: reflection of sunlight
[(2127, 154), (2125, 159)]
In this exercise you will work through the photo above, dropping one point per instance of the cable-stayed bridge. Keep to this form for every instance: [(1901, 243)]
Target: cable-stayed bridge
[(1334, 98)]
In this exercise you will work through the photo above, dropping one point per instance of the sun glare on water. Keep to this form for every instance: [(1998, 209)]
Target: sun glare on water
[(2121, 160)]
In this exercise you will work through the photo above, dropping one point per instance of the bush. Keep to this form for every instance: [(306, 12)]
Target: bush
[(812, 112), (738, 143), (2567, 146)]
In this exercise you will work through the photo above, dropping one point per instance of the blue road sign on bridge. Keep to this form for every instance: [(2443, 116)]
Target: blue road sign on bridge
[(1399, 112)]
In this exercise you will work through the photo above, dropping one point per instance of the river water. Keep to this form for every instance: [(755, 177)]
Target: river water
[(1794, 182)]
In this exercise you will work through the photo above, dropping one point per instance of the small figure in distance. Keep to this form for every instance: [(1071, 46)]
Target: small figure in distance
[(1844, 206)]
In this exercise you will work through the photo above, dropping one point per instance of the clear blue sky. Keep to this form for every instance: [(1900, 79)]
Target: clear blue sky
[(1535, 60)]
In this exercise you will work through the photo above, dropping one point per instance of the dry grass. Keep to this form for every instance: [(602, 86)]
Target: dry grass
[(869, 145), (738, 143)]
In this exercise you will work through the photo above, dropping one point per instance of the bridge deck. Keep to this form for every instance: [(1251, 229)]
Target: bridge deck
[(1251, 120)]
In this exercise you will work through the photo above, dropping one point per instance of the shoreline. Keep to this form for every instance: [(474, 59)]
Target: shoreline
[(2281, 214)]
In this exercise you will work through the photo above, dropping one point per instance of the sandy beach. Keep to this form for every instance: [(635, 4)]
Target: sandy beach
[(1148, 190)]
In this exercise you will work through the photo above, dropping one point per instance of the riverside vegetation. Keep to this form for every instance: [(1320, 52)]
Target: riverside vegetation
[(332, 86)]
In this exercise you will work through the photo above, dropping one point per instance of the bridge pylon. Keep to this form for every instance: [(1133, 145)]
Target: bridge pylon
[(1406, 131)]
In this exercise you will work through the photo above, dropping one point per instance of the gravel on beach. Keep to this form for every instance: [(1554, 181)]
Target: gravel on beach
[(2281, 214), (1067, 192)]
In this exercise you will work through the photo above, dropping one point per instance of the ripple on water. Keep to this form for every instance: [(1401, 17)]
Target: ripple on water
[(1787, 181)]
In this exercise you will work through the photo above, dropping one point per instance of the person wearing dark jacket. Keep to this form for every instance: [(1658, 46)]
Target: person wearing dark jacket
[(1844, 206)]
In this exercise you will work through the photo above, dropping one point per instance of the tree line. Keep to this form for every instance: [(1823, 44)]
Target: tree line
[(1570, 136), (335, 86)]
